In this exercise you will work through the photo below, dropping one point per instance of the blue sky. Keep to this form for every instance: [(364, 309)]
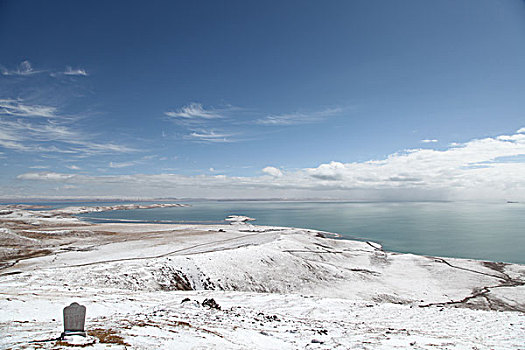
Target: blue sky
[(340, 99)]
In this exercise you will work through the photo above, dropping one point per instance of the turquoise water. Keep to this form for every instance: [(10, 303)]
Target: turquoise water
[(469, 230)]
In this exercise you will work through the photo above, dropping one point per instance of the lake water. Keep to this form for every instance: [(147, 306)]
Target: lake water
[(469, 230)]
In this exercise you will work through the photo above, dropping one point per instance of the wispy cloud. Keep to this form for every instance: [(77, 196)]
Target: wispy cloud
[(210, 136), (206, 125), (429, 141), (38, 128), (299, 118), (18, 109), (78, 71), (121, 165), (194, 111), (73, 167), (24, 68), (129, 163), (46, 176), (92, 148)]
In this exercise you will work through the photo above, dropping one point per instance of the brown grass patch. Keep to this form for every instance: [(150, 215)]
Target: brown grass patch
[(9, 260), (173, 324), (107, 336), (63, 343)]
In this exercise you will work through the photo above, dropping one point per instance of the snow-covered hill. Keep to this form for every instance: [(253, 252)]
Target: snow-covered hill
[(277, 288)]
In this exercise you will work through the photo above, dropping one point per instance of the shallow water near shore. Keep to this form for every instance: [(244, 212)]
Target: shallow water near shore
[(485, 231)]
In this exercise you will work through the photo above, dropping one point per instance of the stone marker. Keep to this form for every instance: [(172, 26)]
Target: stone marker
[(74, 320)]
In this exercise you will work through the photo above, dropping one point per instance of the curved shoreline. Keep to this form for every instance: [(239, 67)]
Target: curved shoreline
[(473, 231)]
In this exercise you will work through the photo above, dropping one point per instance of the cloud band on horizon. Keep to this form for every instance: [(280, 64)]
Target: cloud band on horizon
[(486, 168)]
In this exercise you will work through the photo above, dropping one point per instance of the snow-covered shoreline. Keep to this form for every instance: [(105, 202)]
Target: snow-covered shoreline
[(42, 215), (278, 288)]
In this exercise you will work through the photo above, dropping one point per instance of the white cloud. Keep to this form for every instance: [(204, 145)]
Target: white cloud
[(472, 167), (121, 165), (93, 148), (331, 171), (272, 171), (18, 109), (429, 141), (78, 71), (205, 124), (521, 131), (194, 111), (477, 169), (73, 167), (134, 162), (46, 176), (38, 128), (298, 118), (24, 68), (210, 136)]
